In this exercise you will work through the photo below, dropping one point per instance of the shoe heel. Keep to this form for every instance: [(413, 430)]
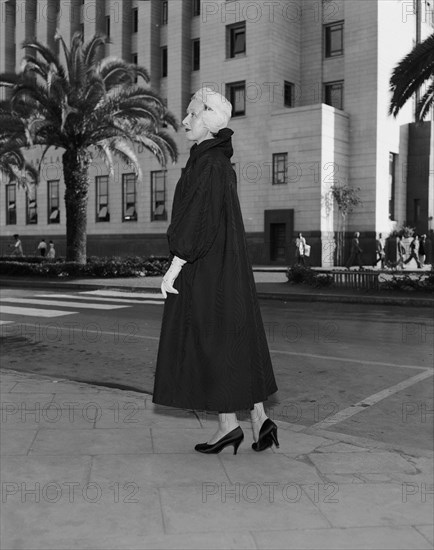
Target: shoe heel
[(273, 435), (237, 444)]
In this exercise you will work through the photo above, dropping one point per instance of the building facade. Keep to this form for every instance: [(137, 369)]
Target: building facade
[(309, 84)]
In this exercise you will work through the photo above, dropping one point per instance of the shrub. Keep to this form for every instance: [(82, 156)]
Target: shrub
[(135, 266), (299, 274), (410, 283)]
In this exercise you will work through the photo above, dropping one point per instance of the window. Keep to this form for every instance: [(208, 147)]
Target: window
[(11, 204), (392, 184), (158, 195), (135, 20), (164, 12), (196, 55), (129, 212), (236, 39), (164, 61), (53, 201), (102, 199), (135, 60), (31, 206), (236, 92), (334, 39), (288, 94), (107, 26), (280, 168), (334, 94), (196, 8), (428, 16)]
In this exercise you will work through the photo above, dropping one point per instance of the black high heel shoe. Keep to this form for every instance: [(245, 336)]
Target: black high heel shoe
[(267, 436), (234, 438)]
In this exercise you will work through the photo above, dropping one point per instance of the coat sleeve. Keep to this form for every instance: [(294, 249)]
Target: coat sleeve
[(197, 218)]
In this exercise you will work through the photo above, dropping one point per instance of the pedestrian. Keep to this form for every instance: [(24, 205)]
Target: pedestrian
[(400, 253), (17, 247), (414, 251), (355, 253), (300, 249), (422, 250), (380, 251), (51, 254), (213, 353), (42, 247)]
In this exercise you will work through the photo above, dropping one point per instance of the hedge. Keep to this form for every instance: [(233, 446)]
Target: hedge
[(134, 266)]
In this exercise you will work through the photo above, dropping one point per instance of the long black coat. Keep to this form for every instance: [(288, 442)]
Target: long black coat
[(213, 353)]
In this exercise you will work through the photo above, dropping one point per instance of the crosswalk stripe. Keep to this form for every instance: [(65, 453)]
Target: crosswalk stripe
[(34, 312), (97, 298), (61, 303), (120, 294), (5, 322)]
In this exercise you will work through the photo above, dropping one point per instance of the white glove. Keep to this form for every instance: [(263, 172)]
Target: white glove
[(171, 275)]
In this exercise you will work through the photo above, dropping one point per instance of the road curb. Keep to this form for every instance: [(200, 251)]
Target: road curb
[(280, 296)]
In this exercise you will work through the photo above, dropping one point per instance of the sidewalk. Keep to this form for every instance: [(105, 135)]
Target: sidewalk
[(270, 284), (85, 467)]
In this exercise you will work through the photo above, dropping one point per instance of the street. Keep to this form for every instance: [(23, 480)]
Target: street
[(360, 370)]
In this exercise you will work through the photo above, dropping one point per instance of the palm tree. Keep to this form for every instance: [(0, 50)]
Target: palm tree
[(13, 165), (87, 106), (411, 75)]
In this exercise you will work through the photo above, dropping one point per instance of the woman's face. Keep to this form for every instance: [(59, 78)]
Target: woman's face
[(193, 123)]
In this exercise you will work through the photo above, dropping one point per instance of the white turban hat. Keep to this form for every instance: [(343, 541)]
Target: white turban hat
[(218, 110)]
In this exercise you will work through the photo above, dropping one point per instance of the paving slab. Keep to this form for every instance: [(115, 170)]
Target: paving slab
[(92, 442), (219, 508), (386, 538), (362, 462)]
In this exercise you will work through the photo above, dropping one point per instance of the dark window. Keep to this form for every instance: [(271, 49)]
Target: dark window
[(107, 26), (135, 60), (164, 12), (53, 201), (135, 20), (334, 94), (280, 168), (196, 55), (11, 204), (158, 195), (288, 94), (196, 8), (164, 61), (334, 39), (392, 184), (236, 92), (129, 212), (31, 206), (236, 39), (277, 241), (102, 199)]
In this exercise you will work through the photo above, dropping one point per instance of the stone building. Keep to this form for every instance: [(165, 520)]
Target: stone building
[(309, 82)]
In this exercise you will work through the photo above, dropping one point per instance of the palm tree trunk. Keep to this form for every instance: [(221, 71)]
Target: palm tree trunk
[(76, 182)]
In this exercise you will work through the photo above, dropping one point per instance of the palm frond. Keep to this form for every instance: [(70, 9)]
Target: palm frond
[(426, 103), (411, 73), (90, 49)]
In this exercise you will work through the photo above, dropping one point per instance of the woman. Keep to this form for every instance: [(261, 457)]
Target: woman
[(300, 247), (213, 353)]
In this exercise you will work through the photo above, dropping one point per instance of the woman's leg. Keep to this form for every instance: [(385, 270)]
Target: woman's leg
[(258, 417), (227, 423)]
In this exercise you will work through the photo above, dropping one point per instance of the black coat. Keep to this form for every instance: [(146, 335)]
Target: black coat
[(213, 353)]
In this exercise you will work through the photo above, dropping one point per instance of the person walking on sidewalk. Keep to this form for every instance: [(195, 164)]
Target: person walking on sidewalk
[(213, 353), (51, 254), (42, 247), (300, 249), (17, 247), (422, 250), (414, 252), (356, 252), (380, 251)]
